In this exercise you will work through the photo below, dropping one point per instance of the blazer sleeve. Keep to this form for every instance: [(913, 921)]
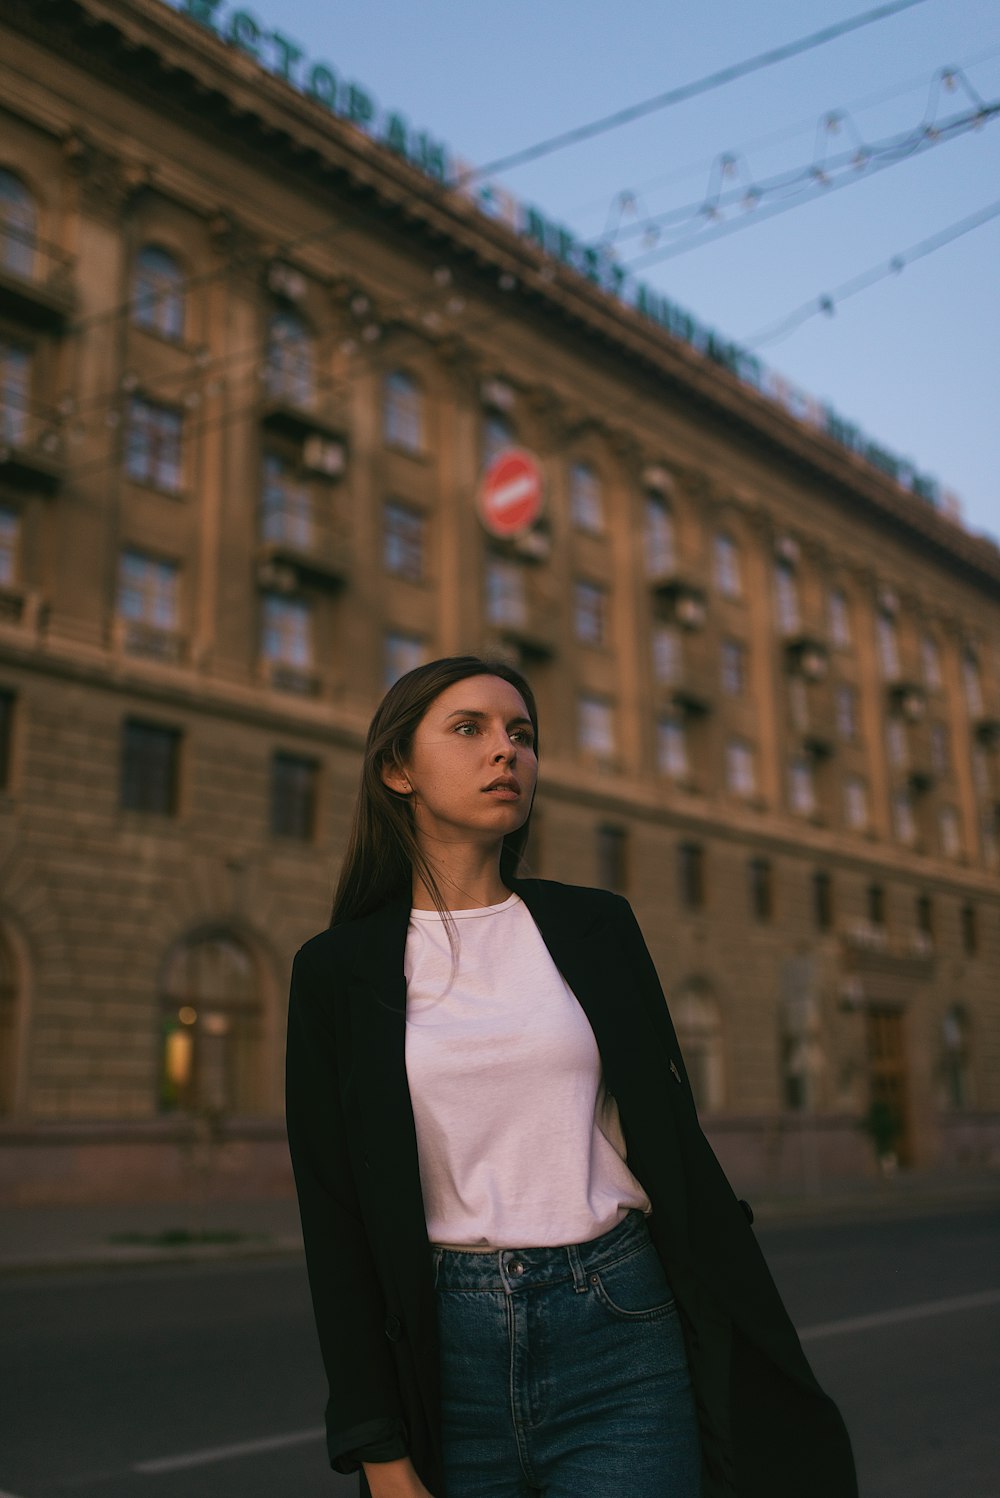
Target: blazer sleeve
[(363, 1414)]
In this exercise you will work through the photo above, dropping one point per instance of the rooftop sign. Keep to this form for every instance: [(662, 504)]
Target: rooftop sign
[(319, 80)]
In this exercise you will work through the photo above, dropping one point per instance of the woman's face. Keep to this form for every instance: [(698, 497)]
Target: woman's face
[(471, 769)]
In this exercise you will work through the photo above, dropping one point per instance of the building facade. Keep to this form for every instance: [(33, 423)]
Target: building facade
[(253, 365)]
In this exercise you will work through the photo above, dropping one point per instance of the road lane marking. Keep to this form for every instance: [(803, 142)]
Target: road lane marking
[(225, 1453), (901, 1314)]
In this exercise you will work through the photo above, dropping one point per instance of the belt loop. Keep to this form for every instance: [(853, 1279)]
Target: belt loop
[(576, 1264)]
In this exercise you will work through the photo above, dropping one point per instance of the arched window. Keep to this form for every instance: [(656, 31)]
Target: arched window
[(212, 1053), (158, 296), (289, 364), (699, 1030), (586, 504), (786, 596), (9, 991), (403, 411), (17, 225), (498, 433)]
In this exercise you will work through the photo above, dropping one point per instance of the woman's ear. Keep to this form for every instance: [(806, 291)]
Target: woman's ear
[(396, 778)]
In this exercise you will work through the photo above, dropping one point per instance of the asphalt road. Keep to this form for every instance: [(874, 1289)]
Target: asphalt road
[(203, 1381)]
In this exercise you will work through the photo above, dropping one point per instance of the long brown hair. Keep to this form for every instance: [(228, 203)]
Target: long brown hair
[(382, 850)]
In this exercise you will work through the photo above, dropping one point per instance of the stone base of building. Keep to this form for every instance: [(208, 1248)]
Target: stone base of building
[(179, 1161), (190, 1160)]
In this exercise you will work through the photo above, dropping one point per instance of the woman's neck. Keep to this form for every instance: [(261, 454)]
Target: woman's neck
[(468, 878)]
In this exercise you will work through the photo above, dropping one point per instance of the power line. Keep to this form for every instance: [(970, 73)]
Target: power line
[(825, 184), (774, 137), (686, 91), (828, 301)]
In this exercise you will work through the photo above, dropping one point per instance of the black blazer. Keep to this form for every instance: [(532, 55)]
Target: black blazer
[(768, 1430)]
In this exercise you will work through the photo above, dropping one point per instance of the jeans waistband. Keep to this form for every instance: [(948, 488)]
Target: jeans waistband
[(512, 1269)]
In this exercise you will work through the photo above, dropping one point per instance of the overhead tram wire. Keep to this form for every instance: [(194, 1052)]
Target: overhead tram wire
[(774, 137), (828, 302), (894, 149), (686, 91), (547, 146), (762, 215)]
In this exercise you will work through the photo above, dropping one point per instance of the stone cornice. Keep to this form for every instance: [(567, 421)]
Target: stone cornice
[(144, 45)]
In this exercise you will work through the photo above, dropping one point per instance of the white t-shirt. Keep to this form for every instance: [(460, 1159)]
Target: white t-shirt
[(519, 1144)]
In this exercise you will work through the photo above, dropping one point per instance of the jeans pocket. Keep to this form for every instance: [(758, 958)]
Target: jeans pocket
[(635, 1288)]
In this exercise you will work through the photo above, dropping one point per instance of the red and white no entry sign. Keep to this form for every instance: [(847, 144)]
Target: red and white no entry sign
[(510, 493)]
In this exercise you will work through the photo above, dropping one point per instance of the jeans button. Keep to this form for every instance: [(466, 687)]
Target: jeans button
[(517, 1267)]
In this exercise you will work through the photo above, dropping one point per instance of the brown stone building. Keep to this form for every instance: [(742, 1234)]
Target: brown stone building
[(252, 365)]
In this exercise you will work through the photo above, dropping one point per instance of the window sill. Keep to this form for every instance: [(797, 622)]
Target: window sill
[(180, 493), (415, 454)]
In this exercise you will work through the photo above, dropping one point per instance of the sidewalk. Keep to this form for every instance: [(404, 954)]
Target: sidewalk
[(121, 1234)]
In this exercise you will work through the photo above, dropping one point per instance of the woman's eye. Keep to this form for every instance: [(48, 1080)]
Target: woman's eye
[(461, 727), (522, 736)]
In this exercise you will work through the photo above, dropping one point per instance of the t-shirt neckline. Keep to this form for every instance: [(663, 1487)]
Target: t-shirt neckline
[(464, 915)]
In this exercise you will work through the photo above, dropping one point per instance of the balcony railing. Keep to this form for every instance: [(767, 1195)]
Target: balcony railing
[(36, 280), (31, 447), (136, 637), (312, 548)]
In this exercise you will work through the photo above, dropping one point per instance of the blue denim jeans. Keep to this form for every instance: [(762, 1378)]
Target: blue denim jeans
[(564, 1372)]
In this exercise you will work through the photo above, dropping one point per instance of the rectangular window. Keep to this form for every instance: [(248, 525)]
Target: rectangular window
[(925, 916), (666, 653), (148, 590), (691, 874), (761, 889), (286, 514), (726, 557), (402, 540), (590, 613), (970, 932), (506, 592), (10, 546), (153, 443), (846, 704), (856, 803), (149, 769), (286, 631), (786, 597), (822, 900), (15, 392), (671, 748), (733, 668), (876, 905), (896, 744), (585, 501), (660, 539), (6, 736), (930, 656), (971, 684), (294, 782), (940, 757), (403, 653), (402, 412), (741, 776), (839, 619), (888, 647), (596, 726), (802, 791), (903, 818), (612, 847), (948, 826)]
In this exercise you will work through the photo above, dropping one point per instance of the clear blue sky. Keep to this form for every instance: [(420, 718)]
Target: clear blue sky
[(914, 359)]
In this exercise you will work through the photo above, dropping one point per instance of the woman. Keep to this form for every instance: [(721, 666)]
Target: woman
[(528, 1271)]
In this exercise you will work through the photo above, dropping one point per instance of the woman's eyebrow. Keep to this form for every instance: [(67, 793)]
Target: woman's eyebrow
[(475, 712)]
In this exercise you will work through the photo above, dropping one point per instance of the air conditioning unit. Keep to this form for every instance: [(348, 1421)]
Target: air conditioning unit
[(498, 394), (657, 479), (690, 612), (536, 544), (284, 280), (321, 455)]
